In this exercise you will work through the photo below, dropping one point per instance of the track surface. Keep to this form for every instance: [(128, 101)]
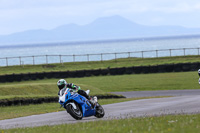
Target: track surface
[(132, 94), (137, 108)]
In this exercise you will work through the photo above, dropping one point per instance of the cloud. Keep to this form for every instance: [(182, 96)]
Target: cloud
[(179, 8), (28, 14)]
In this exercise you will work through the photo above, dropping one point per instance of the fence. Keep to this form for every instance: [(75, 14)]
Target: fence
[(48, 59)]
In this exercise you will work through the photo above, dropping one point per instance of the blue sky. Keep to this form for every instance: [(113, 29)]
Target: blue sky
[(21, 15)]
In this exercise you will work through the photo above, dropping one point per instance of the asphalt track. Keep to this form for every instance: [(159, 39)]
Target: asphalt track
[(138, 108), (132, 94)]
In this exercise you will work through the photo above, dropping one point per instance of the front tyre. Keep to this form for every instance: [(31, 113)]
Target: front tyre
[(75, 113), (99, 111)]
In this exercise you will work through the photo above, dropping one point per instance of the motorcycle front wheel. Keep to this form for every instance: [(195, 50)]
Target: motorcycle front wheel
[(75, 113), (99, 111)]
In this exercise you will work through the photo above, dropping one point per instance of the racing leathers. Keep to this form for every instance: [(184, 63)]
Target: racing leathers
[(75, 89)]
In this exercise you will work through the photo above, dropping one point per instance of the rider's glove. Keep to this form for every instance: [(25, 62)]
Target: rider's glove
[(79, 88)]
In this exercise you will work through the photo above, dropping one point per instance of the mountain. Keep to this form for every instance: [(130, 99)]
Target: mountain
[(114, 27)]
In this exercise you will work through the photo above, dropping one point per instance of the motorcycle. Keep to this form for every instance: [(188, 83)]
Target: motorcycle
[(78, 106)]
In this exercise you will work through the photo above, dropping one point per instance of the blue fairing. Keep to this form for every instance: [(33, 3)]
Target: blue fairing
[(83, 103)]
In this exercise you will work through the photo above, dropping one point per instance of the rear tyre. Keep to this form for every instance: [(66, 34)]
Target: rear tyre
[(99, 111), (75, 113)]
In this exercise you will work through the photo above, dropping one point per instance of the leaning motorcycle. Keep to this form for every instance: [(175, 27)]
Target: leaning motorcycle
[(78, 106)]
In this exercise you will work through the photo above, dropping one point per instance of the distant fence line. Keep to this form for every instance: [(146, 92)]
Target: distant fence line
[(48, 59)]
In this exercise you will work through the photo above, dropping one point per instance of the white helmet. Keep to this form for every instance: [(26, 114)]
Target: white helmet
[(61, 84)]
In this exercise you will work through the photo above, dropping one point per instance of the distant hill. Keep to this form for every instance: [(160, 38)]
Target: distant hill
[(114, 27)]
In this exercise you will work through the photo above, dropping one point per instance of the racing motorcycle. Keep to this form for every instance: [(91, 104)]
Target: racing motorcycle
[(78, 106)]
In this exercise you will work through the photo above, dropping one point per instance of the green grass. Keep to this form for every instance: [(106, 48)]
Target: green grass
[(161, 124), (97, 85), (126, 62), (43, 88), (103, 84), (159, 81), (26, 110), (142, 82)]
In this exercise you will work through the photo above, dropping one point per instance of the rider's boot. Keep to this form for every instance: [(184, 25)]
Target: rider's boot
[(93, 101)]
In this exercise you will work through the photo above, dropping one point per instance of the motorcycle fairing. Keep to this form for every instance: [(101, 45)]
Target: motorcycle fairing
[(84, 103)]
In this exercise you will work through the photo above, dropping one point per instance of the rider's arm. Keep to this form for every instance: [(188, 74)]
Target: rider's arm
[(74, 87)]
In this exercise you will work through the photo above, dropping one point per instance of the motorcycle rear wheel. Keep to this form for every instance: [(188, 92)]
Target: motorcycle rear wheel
[(99, 111), (75, 113)]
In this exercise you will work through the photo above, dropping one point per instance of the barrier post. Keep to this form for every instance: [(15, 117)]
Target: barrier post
[(156, 53), (6, 61), (73, 58), (20, 61), (60, 59), (142, 54), (47, 59), (88, 58), (33, 60), (170, 52)]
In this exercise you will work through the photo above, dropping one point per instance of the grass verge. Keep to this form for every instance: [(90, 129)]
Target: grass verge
[(161, 124), (103, 84)]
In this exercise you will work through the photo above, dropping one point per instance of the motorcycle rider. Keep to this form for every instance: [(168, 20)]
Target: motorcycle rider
[(63, 85)]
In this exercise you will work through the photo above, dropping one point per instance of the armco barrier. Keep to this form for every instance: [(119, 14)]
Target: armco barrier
[(181, 67)]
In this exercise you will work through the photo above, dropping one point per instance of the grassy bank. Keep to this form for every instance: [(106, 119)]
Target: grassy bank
[(104, 84), (161, 124), (98, 64)]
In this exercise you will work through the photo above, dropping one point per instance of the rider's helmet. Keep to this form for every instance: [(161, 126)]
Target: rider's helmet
[(61, 84)]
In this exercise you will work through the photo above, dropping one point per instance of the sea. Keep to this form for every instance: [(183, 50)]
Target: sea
[(96, 51)]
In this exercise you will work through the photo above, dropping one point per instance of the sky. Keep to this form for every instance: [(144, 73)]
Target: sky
[(21, 15)]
